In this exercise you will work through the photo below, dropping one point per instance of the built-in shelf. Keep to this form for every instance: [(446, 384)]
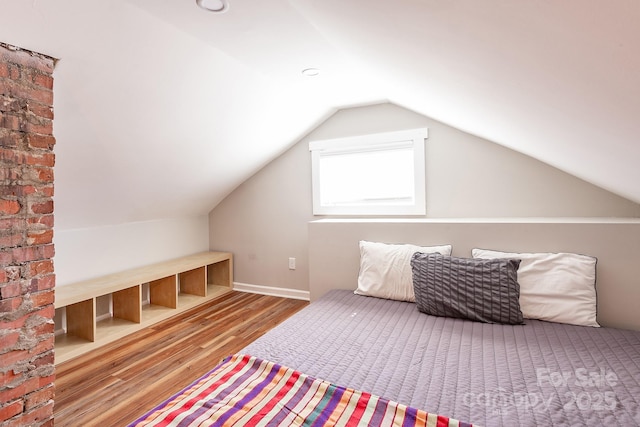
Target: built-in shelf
[(174, 286)]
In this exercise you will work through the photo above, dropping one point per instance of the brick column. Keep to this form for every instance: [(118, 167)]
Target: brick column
[(26, 232)]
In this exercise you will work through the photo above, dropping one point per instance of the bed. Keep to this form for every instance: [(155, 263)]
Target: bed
[(455, 370)]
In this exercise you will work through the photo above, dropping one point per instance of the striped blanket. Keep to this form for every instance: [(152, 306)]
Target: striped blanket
[(244, 390)]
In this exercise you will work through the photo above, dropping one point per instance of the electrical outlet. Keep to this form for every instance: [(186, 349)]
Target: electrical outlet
[(292, 263)]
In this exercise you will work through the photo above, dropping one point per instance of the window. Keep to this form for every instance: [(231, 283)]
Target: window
[(378, 174)]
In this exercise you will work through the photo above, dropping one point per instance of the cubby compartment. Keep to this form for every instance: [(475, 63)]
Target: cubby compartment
[(163, 299), (126, 314), (164, 292), (80, 322), (220, 274), (193, 282), (171, 288)]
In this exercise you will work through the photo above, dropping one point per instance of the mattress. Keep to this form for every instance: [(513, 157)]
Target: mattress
[(540, 373)]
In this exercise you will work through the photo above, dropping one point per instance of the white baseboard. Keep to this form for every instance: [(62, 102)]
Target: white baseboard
[(104, 316), (272, 291)]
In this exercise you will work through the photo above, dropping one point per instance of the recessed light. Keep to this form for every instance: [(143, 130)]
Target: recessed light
[(218, 6), (310, 72)]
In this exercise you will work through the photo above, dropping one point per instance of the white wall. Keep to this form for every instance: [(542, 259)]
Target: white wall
[(264, 221), (92, 252)]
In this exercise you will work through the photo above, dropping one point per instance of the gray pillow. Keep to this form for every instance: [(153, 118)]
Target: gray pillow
[(480, 290)]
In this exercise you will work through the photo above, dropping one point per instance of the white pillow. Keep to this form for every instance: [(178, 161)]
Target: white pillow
[(557, 287), (385, 269)]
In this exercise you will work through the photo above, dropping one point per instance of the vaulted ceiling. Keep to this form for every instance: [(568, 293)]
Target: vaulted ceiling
[(162, 109)]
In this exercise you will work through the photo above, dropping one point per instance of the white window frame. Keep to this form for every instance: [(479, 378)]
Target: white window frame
[(414, 138)]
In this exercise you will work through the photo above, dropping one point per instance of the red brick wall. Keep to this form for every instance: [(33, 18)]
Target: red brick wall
[(26, 231)]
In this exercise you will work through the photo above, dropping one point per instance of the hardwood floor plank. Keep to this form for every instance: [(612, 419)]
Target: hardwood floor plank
[(119, 382)]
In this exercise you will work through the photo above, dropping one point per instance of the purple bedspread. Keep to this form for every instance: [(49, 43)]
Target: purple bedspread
[(540, 373)]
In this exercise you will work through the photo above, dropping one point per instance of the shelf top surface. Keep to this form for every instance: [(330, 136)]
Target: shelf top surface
[(104, 285)]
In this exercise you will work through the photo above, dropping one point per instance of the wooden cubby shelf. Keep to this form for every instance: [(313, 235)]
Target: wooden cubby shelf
[(173, 287)]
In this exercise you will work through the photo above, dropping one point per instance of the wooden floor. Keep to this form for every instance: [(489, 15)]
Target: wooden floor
[(117, 383)]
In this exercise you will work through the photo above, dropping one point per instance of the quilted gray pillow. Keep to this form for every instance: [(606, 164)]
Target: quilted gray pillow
[(475, 289)]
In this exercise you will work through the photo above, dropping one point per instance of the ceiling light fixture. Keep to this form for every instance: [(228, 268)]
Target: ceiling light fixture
[(310, 72), (217, 6)]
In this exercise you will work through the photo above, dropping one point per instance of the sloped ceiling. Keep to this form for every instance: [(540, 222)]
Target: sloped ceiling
[(162, 109)]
